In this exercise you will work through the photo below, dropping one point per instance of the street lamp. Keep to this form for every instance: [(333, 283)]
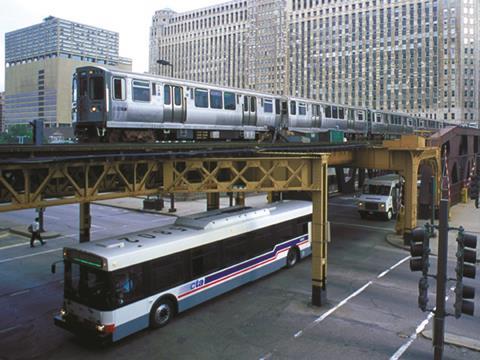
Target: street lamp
[(166, 63)]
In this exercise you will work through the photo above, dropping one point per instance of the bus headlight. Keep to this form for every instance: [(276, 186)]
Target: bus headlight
[(93, 109), (100, 328), (108, 329), (361, 204), (63, 312)]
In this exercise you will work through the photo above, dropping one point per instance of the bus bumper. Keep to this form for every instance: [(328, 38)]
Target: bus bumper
[(84, 330)]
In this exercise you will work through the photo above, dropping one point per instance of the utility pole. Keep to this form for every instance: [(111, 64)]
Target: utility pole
[(439, 318)]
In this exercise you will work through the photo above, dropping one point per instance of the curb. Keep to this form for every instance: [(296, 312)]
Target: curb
[(396, 241), (456, 340)]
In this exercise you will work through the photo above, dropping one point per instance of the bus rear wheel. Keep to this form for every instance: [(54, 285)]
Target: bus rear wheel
[(292, 257), (161, 314)]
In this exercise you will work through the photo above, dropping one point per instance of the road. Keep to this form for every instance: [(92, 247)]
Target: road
[(371, 311)]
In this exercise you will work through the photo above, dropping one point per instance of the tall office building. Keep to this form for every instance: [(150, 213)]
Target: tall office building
[(415, 56), (2, 99), (40, 61)]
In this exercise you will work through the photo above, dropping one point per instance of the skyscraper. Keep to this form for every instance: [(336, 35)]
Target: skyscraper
[(414, 56), (40, 61)]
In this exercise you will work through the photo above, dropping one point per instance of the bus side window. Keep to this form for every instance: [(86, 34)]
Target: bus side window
[(205, 259), (235, 250), (167, 272), (128, 284)]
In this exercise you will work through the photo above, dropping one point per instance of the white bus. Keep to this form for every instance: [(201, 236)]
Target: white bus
[(119, 286)]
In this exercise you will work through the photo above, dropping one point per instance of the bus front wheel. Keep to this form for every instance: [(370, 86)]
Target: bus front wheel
[(292, 257), (161, 314)]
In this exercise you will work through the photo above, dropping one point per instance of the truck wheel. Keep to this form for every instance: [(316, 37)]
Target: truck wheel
[(389, 215)]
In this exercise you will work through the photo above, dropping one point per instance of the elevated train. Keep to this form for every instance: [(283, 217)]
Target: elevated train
[(114, 105)]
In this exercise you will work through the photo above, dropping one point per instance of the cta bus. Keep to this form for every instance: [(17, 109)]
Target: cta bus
[(118, 286)]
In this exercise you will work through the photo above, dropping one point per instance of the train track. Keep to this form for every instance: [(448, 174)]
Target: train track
[(22, 154)]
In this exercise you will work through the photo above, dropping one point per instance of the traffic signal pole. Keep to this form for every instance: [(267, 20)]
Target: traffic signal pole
[(439, 318)]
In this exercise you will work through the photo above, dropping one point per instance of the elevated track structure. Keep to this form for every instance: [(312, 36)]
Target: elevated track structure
[(41, 176)]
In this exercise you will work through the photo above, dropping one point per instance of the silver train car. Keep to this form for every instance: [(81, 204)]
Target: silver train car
[(114, 105)]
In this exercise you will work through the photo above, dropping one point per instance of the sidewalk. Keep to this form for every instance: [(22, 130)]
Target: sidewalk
[(465, 215), (183, 208)]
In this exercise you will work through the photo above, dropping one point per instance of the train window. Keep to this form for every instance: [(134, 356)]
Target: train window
[(201, 98), (341, 113), (141, 90), (378, 118), (167, 96), (95, 88), (277, 106), (118, 89), (154, 89), (314, 110), (328, 112), (293, 108), (253, 106), (359, 116), (334, 112), (83, 86), (268, 106), (178, 95), (245, 103), (302, 109), (229, 101), (216, 99)]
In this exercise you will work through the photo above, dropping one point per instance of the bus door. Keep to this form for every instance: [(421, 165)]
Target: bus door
[(173, 104), (249, 110)]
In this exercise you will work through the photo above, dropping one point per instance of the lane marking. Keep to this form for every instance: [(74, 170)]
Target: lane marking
[(401, 350), (348, 298), (29, 255), (3, 331), (20, 292), (52, 217), (361, 226)]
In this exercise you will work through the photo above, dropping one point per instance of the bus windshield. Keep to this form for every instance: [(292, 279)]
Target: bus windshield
[(376, 190), (87, 286)]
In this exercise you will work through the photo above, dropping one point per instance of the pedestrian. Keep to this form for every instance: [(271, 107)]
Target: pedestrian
[(35, 230)]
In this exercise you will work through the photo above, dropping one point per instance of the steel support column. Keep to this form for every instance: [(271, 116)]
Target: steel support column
[(213, 201), (85, 222), (410, 175), (240, 199), (319, 233)]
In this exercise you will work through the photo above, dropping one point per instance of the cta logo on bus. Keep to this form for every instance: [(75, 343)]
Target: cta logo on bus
[(197, 283)]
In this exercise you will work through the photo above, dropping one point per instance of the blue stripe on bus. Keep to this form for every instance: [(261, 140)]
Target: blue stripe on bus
[(254, 261)]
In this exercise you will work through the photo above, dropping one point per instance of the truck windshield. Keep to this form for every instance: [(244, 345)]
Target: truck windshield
[(376, 190), (88, 286)]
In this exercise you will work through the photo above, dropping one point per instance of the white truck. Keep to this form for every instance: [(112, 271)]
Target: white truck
[(380, 196)]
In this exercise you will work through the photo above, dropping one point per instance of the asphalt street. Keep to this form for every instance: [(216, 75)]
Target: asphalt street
[(371, 312)]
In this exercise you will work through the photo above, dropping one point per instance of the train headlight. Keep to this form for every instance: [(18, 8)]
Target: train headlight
[(93, 109)]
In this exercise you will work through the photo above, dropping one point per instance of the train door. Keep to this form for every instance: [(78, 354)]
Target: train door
[(350, 119), (249, 110), (173, 104)]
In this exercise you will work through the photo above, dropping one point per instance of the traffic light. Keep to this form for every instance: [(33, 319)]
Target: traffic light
[(420, 250), (466, 260)]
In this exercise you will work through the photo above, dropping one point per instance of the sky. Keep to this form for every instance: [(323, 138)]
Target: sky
[(131, 21)]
